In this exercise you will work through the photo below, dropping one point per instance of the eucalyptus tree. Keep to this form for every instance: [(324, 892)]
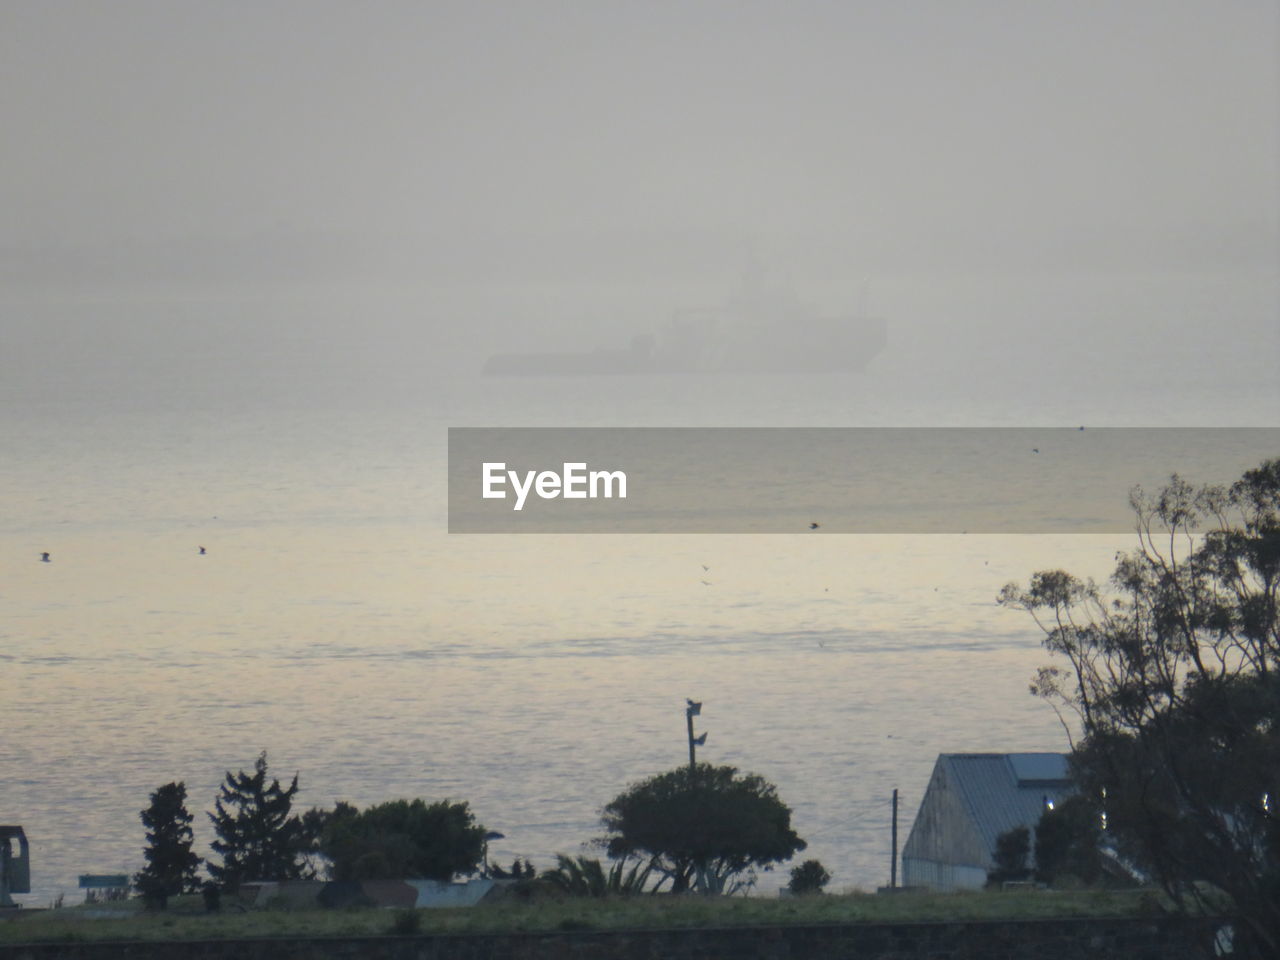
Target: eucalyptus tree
[(1174, 674)]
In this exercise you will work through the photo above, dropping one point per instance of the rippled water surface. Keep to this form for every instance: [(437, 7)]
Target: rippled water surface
[(336, 625)]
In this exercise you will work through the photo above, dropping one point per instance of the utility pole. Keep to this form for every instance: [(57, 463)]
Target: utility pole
[(893, 864)]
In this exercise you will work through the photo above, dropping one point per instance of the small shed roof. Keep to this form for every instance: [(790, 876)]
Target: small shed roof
[(1006, 790)]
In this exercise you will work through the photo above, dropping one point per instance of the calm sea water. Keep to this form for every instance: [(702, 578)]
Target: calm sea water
[(336, 625)]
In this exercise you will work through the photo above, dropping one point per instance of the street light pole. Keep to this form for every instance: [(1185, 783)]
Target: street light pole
[(484, 850), (691, 711), (688, 716)]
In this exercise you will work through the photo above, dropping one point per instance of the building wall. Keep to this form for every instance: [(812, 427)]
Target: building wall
[(941, 876), (943, 833), (384, 893)]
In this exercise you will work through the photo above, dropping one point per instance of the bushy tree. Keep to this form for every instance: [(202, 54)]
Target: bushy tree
[(706, 828), (1068, 843), (171, 865), (1012, 849), (258, 837), (1175, 677), (810, 877), (404, 838), (523, 870), (519, 870), (314, 824)]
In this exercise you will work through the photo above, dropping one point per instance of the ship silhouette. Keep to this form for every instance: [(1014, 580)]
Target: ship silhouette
[(759, 329)]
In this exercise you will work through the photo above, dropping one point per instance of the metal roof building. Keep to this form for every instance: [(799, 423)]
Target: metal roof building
[(971, 799)]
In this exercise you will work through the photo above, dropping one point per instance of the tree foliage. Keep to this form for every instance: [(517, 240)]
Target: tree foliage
[(314, 824), (708, 827), (1068, 844), (1175, 677), (519, 870), (587, 877), (1013, 847), (258, 838), (810, 877), (404, 838), (171, 865)]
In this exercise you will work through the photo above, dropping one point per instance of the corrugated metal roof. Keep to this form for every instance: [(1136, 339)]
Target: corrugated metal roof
[(998, 799), (1039, 766)]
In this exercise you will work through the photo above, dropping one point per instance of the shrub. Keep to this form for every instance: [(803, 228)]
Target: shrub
[(406, 922), (810, 877)]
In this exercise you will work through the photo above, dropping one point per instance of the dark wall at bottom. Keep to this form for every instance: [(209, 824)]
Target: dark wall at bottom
[(1076, 939)]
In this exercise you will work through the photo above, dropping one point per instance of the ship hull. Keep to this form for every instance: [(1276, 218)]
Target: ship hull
[(842, 345)]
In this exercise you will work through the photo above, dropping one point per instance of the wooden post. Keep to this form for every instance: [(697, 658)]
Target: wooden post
[(893, 864), (688, 715)]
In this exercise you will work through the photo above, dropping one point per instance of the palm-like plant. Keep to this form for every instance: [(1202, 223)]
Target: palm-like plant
[(586, 877)]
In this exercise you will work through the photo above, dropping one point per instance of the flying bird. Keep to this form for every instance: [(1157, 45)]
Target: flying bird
[(813, 525), (45, 557), (202, 551)]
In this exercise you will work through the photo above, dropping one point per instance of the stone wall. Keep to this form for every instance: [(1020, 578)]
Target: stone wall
[(1067, 939)]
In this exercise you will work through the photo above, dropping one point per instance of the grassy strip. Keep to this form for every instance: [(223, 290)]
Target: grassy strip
[(185, 920)]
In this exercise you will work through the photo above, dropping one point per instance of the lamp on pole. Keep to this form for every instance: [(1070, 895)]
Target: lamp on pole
[(484, 850), (691, 711)]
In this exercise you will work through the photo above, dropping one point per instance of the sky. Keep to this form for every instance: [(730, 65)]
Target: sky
[(573, 165)]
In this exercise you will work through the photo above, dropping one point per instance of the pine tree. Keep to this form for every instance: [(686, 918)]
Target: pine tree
[(171, 866), (258, 839)]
